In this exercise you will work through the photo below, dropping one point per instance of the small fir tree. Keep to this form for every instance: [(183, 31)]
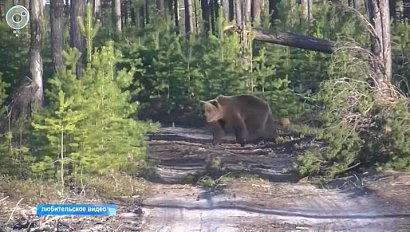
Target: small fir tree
[(89, 121)]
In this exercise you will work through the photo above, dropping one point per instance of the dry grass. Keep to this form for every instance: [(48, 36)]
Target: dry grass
[(30, 188), (116, 185), (110, 186)]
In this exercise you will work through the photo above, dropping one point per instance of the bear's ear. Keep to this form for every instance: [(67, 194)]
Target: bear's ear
[(202, 102), (214, 102)]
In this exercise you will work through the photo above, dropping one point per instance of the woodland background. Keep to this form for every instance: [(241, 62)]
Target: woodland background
[(84, 82)]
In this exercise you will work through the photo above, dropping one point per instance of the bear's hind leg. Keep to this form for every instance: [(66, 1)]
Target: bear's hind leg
[(271, 133), (240, 132)]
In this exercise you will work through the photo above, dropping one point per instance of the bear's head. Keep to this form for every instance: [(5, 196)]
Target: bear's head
[(212, 110)]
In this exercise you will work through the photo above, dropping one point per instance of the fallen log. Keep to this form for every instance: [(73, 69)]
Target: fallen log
[(288, 39), (300, 41)]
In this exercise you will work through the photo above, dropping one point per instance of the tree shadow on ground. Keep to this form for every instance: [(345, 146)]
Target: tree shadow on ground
[(183, 155)]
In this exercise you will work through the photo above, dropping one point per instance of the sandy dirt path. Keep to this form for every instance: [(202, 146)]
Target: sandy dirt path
[(273, 202)]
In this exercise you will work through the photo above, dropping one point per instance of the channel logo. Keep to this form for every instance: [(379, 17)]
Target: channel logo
[(17, 17)]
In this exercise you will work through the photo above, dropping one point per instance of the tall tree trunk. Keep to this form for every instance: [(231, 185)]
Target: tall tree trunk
[(176, 14), (359, 3), (189, 19), (406, 9), (225, 7), (97, 9), (238, 12), (231, 10), (56, 21), (77, 9), (2, 10), (146, 13), (116, 15), (122, 15), (170, 4), (36, 61), (132, 15), (256, 12), (247, 12), (125, 10), (392, 7), (141, 17), (27, 4), (213, 14), (205, 14), (195, 9), (67, 9), (273, 9), (105, 9), (379, 15), (243, 22), (160, 6), (307, 10)]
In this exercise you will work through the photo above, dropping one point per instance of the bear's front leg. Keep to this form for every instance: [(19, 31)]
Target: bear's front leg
[(217, 133)]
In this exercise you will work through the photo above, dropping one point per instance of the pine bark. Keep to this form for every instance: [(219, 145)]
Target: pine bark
[(273, 9), (226, 10), (141, 16), (205, 14), (171, 7), (406, 9), (56, 21), (67, 9), (125, 13), (77, 40), (176, 14), (160, 6), (26, 4), (379, 16), (256, 12), (392, 7), (97, 9), (247, 12), (238, 12), (146, 12), (352, 3), (213, 13), (2, 10), (36, 61), (116, 13), (306, 10), (189, 19), (231, 10)]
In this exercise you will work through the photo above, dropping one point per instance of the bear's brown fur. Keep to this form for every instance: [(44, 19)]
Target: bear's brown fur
[(249, 117)]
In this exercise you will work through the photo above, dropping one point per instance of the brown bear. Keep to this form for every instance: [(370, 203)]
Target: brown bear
[(247, 116)]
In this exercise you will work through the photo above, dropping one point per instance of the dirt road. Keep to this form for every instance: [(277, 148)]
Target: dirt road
[(271, 201)]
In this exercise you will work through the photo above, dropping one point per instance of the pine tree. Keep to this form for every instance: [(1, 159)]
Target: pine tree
[(89, 121), (6, 146), (59, 127)]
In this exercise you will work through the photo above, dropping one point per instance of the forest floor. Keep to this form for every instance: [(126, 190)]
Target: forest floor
[(236, 189), (248, 190)]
